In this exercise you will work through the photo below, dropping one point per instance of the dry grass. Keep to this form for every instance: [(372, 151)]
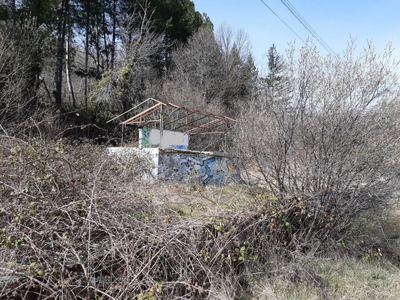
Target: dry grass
[(367, 268), (342, 278), (198, 200)]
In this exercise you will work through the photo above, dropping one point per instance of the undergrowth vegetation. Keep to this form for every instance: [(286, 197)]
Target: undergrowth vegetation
[(76, 224)]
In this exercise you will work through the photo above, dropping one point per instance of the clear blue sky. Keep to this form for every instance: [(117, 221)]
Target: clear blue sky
[(335, 21)]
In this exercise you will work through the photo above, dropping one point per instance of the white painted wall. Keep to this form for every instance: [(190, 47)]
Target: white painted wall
[(170, 139), (150, 154), (169, 164)]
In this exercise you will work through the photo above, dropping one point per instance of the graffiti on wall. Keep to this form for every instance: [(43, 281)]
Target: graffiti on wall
[(144, 138), (199, 167), (176, 165)]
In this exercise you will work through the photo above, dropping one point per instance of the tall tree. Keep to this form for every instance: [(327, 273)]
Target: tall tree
[(114, 16), (61, 27), (126, 84), (275, 67), (239, 76), (176, 19), (68, 55), (40, 16), (87, 32), (200, 64), (275, 83), (42, 12), (20, 67)]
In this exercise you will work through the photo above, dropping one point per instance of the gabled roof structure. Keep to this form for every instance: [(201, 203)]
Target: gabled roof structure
[(169, 116)]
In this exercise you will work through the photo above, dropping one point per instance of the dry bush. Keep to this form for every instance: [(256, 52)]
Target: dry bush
[(324, 140), (20, 56), (74, 225), (126, 85), (77, 225)]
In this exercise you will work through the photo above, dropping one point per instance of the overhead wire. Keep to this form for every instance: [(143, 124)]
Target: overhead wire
[(303, 22), (282, 21), (307, 26)]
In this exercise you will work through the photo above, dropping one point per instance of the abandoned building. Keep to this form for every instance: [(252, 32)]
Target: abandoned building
[(164, 130)]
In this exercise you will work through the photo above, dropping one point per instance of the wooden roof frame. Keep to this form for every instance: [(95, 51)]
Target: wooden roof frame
[(167, 115)]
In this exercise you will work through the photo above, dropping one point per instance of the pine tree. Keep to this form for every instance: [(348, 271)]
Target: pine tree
[(275, 67), (275, 81)]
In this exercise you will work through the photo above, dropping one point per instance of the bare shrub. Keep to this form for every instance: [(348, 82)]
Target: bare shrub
[(325, 139), (76, 225), (121, 88), (73, 226), (20, 55)]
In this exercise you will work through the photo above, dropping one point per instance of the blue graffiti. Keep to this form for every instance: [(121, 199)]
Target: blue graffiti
[(207, 169), (179, 147)]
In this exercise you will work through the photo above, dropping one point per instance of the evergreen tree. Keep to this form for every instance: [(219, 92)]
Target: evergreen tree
[(61, 32), (275, 67), (276, 83), (207, 22), (177, 19)]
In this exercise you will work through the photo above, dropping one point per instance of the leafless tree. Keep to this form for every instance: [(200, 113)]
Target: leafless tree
[(227, 39), (126, 83), (198, 67), (239, 72), (212, 68), (327, 139), (19, 81)]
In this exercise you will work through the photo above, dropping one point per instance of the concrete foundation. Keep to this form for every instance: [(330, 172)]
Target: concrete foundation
[(185, 165)]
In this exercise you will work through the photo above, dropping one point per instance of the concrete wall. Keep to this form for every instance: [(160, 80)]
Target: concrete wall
[(150, 138), (201, 167), (179, 165), (151, 155)]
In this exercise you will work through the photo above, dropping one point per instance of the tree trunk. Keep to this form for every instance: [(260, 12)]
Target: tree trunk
[(97, 44), (87, 52), (60, 50), (106, 45), (12, 7), (68, 70), (114, 12)]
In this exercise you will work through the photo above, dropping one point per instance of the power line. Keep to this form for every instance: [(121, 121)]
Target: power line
[(306, 25), (282, 21)]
